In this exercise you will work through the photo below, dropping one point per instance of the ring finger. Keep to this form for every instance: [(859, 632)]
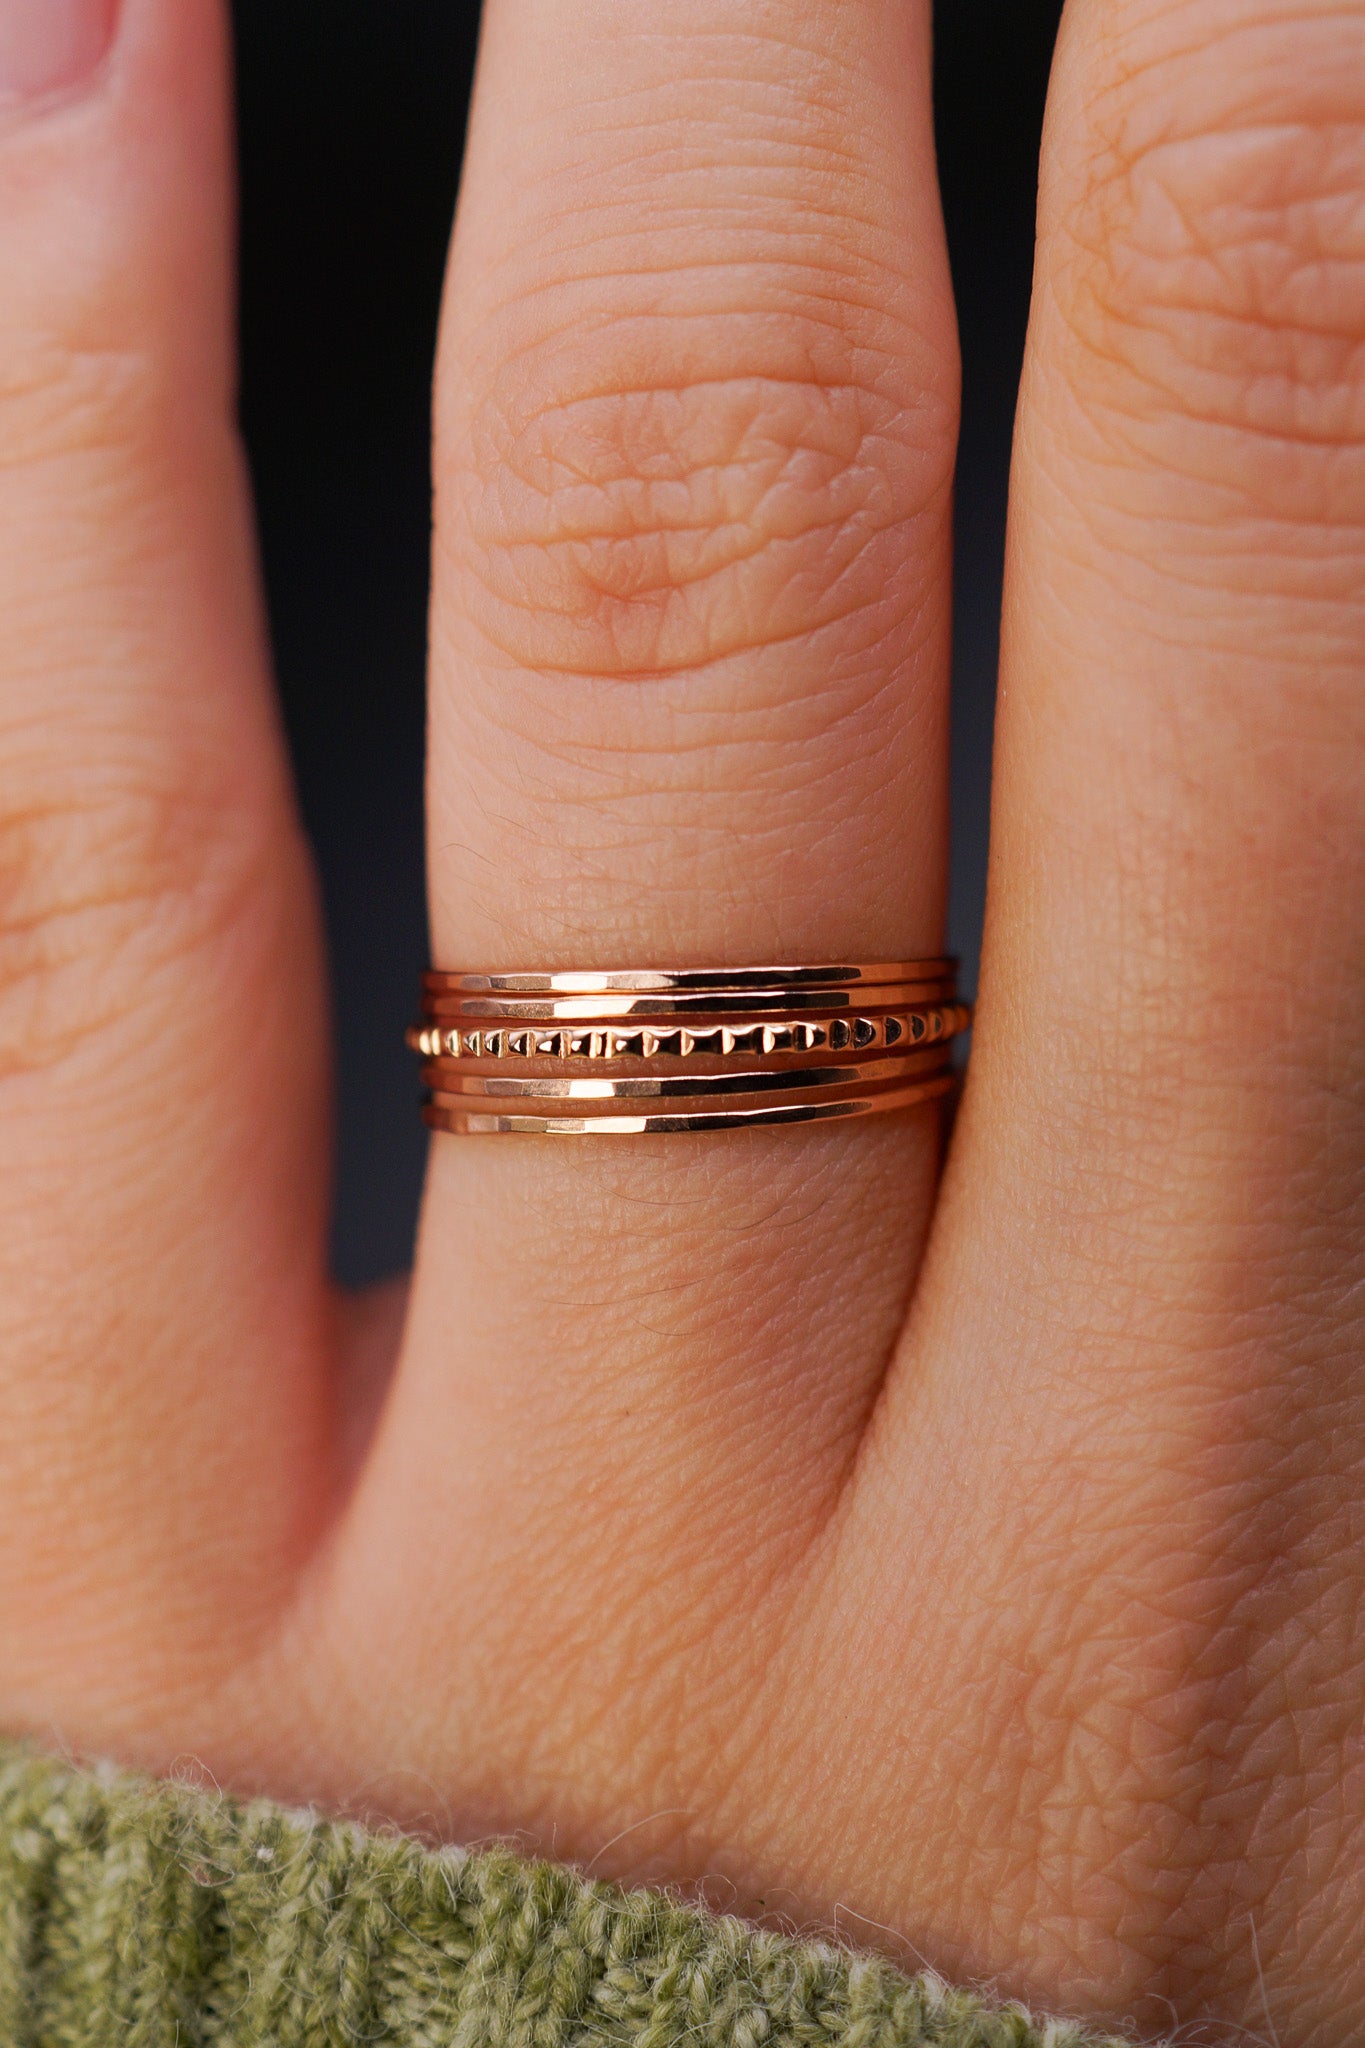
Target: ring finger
[(696, 427)]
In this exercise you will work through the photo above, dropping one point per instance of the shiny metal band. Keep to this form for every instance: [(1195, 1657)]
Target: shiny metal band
[(624, 1054), (672, 980)]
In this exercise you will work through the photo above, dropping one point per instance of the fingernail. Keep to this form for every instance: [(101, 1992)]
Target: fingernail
[(51, 45)]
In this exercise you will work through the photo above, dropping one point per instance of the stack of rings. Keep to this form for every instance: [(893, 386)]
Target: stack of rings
[(603, 1055)]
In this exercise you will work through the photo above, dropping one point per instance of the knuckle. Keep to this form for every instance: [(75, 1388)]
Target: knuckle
[(666, 508), (1213, 265), (106, 880), (61, 398)]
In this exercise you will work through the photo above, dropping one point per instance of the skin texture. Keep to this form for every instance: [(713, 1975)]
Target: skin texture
[(977, 1567)]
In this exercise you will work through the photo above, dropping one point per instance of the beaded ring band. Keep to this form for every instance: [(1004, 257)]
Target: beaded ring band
[(624, 1054)]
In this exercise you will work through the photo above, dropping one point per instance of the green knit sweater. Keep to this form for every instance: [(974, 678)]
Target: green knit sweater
[(157, 1916)]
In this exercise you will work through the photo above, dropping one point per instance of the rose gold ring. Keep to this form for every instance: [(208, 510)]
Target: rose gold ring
[(624, 1054), (672, 980)]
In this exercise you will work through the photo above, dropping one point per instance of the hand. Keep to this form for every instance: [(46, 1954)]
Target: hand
[(995, 1587)]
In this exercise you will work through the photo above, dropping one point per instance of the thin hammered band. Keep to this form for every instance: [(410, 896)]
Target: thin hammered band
[(624, 1054)]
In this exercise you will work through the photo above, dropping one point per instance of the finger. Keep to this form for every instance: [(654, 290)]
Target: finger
[(1161, 1155), (162, 1194), (695, 440)]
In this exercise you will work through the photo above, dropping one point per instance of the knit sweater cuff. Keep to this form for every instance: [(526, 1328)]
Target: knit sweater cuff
[(162, 1916)]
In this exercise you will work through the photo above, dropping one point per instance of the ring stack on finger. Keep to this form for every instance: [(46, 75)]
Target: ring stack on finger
[(624, 1054)]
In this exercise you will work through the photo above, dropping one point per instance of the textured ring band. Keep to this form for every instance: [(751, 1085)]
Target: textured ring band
[(659, 1038), (625, 1054)]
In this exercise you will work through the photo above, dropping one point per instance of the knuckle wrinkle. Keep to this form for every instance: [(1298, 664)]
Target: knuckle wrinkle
[(656, 524), (1211, 259)]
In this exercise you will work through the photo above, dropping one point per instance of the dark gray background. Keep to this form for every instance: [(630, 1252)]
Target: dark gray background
[(352, 126)]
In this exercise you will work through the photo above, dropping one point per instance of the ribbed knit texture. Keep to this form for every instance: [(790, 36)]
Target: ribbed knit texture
[(152, 1916)]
